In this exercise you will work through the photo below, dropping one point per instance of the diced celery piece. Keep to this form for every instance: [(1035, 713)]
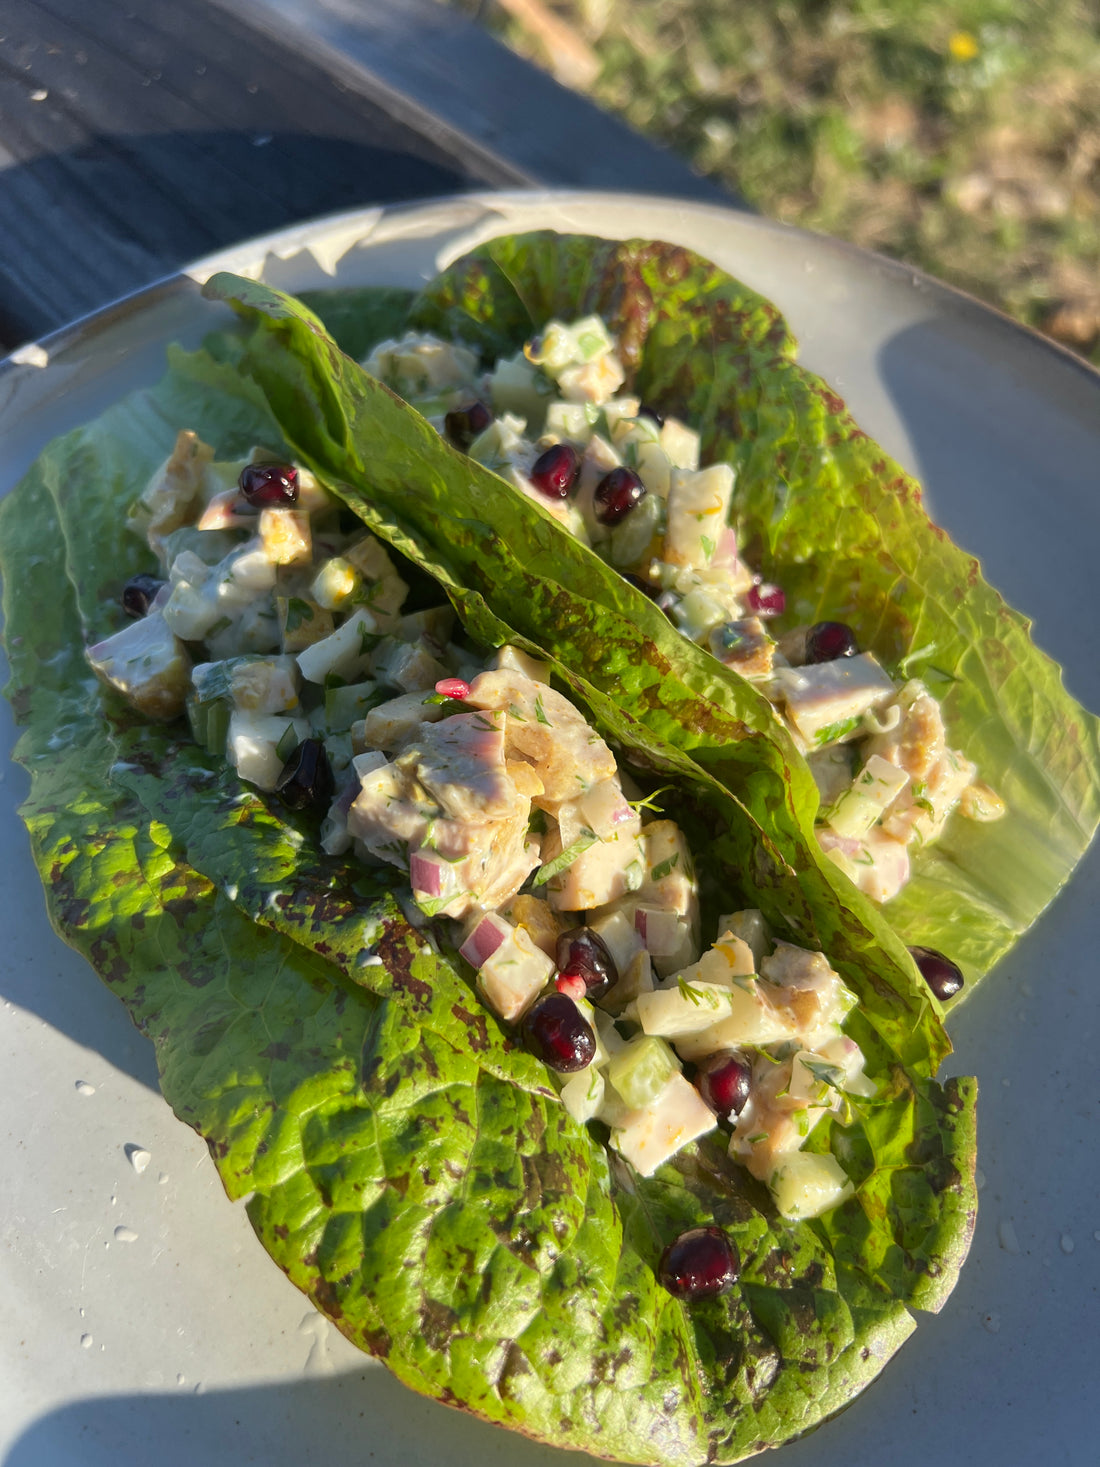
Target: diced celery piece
[(345, 705), (630, 540), (572, 420), (218, 714), (287, 744), (517, 386), (641, 1070)]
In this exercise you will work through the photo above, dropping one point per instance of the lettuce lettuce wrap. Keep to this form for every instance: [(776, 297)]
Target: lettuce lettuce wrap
[(817, 507), (406, 1162)]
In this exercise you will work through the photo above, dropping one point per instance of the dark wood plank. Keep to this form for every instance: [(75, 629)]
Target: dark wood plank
[(173, 129)]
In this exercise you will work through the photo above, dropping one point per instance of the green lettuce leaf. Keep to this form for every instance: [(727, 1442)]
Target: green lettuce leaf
[(407, 1164), (820, 509)]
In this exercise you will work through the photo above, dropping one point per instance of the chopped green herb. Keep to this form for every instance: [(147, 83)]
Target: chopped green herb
[(824, 1072), (665, 868), (540, 712), (298, 612), (708, 546), (566, 858), (832, 732)]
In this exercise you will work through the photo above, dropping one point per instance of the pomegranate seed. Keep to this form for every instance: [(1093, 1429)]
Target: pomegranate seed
[(943, 976), (828, 640), (617, 494), (269, 486), (462, 425), (699, 1264), (453, 687), (572, 985), (583, 954), (306, 780), (138, 594), (556, 471), (559, 1034), (723, 1080), (765, 599)]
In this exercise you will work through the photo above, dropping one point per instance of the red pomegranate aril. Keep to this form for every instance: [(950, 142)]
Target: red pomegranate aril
[(139, 593), (943, 977), (572, 985), (617, 494), (724, 1080), (306, 781), (453, 687), (269, 486), (699, 1264), (463, 424), (559, 1034), (555, 472), (828, 640), (583, 954), (765, 599)]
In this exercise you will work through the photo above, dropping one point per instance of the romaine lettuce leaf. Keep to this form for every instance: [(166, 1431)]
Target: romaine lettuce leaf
[(823, 511), (408, 1165)]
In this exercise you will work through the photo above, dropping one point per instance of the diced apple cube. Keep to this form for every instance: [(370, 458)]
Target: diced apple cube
[(615, 925), (513, 975), (806, 1185), (253, 743), (147, 664), (583, 1093), (302, 622), (336, 584), (681, 443), (285, 535), (512, 659), (347, 652), (264, 685), (677, 1117), (698, 511)]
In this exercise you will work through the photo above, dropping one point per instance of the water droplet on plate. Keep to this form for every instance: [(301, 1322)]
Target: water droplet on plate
[(1066, 1243), (181, 1379), (992, 1322), (83, 1088), (319, 1361), (137, 1156), (123, 1234), (979, 1178), (86, 1342), (1006, 1236), (162, 1179)]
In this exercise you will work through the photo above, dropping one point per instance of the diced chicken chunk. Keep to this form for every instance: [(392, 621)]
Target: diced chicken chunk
[(806, 986), (174, 492), (547, 731), (826, 700), (743, 645)]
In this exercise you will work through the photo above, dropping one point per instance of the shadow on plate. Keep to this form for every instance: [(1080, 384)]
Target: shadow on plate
[(342, 1420)]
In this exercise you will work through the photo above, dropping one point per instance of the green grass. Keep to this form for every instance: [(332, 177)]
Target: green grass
[(962, 138)]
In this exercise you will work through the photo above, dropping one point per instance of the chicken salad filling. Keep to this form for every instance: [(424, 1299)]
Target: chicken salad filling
[(627, 481), (286, 641)]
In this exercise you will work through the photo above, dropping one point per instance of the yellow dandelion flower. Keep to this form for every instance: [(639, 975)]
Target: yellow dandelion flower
[(963, 46)]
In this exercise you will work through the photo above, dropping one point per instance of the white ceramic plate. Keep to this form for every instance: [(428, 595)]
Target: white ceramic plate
[(142, 1322)]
